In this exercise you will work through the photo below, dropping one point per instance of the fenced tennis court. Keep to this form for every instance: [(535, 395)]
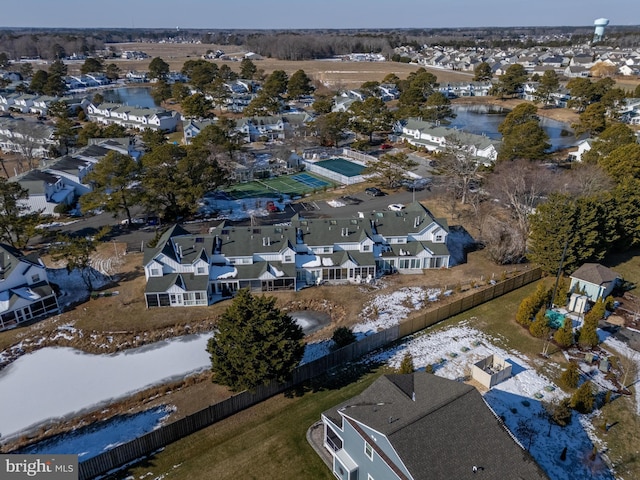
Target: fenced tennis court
[(341, 170), (292, 185)]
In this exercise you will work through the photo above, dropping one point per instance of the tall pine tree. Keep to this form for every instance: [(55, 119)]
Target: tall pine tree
[(256, 342)]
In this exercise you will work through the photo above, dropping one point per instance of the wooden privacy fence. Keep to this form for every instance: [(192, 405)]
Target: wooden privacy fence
[(153, 441)]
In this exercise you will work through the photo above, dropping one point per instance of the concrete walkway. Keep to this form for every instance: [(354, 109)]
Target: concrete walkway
[(315, 438)]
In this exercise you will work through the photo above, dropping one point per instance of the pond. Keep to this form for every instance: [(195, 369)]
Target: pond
[(132, 96), (91, 440), (485, 120), (310, 320), (57, 383)]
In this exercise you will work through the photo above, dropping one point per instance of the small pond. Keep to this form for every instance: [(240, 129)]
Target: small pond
[(132, 96), (310, 320), (485, 120)]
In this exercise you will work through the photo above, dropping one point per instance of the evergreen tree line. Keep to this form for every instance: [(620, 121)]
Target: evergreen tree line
[(169, 180), (588, 227), (531, 314)]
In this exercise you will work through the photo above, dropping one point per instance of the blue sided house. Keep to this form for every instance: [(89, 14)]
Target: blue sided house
[(421, 426)]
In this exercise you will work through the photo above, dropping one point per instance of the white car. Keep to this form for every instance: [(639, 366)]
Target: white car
[(396, 207)]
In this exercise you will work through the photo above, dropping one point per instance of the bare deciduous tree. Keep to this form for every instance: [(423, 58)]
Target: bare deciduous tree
[(504, 243), (520, 185), (588, 179), (460, 164)]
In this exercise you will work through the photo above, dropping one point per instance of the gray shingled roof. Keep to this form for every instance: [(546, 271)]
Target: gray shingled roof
[(163, 244), (34, 181), (441, 434), (245, 241), (187, 281), (596, 274)]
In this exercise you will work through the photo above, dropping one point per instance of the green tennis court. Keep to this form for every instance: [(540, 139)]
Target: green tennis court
[(341, 166), (284, 185)]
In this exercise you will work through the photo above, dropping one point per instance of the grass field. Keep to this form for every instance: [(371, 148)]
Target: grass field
[(335, 74), (265, 441), (284, 185)]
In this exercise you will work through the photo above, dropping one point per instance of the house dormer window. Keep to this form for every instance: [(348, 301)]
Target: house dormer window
[(438, 237), (35, 278)]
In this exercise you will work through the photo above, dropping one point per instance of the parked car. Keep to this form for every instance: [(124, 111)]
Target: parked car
[(386, 146), (374, 192), (396, 207), (135, 221), (349, 200), (416, 184)]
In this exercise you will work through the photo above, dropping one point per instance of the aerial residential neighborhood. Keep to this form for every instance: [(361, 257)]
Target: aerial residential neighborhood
[(278, 245)]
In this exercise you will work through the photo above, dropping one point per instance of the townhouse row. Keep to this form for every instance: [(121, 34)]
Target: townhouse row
[(185, 269)]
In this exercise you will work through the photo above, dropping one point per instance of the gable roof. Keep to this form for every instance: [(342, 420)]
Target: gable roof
[(596, 274), (441, 434), (10, 257)]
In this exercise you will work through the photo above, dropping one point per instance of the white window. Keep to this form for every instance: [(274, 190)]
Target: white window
[(155, 272), (288, 258), (368, 450), (365, 248), (438, 237), (35, 278), (201, 270)]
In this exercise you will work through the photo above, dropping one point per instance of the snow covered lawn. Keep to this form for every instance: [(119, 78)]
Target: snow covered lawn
[(517, 401)]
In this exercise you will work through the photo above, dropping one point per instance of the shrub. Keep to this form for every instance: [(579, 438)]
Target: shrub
[(571, 376), (343, 336), (429, 368), (583, 400), (564, 335), (525, 312), (540, 328), (62, 208), (561, 412), (406, 366)]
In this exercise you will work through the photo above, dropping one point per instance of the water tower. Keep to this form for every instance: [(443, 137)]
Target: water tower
[(600, 23)]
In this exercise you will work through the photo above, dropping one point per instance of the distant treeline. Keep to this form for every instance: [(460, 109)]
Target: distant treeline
[(50, 44)]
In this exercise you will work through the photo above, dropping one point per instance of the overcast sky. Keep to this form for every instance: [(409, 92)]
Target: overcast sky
[(216, 14)]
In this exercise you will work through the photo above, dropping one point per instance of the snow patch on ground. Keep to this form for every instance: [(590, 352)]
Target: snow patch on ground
[(632, 356), (73, 289), (517, 400), (92, 440), (386, 310)]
